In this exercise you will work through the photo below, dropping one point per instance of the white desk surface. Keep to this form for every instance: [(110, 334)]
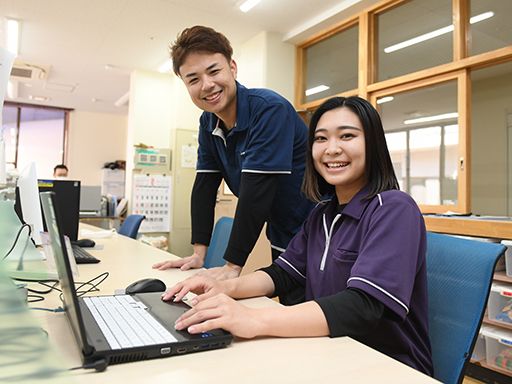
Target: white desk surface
[(270, 360)]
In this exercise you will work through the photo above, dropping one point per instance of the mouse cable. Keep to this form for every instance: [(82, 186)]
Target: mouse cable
[(34, 298), (93, 286), (56, 310), (98, 365), (52, 287), (16, 239)]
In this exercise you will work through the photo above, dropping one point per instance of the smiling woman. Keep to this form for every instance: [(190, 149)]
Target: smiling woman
[(34, 134)]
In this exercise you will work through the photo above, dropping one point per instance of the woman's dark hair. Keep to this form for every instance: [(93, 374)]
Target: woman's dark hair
[(378, 167), (198, 39)]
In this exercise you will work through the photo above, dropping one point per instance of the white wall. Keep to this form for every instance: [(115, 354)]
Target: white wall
[(94, 139), (266, 61)]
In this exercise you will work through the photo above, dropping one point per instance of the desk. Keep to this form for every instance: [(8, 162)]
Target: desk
[(271, 360)]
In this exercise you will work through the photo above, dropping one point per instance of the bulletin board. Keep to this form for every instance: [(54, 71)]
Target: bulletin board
[(152, 198)]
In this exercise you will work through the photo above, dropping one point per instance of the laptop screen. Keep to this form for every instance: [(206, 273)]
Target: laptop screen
[(67, 284)]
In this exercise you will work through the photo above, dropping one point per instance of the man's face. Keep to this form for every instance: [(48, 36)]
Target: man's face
[(210, 81), (60, 172)]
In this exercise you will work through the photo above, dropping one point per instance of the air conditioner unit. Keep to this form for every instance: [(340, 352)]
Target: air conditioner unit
[(26, 71)]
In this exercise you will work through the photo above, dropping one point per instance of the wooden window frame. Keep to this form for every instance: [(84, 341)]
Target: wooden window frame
[(459, 68)]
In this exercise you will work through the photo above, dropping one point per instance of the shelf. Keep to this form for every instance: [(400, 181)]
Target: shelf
[(498, 229), (495, 368), (502, 276), (497, 323)]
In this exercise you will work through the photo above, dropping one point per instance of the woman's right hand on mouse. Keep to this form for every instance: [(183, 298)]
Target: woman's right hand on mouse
[(204, 286)]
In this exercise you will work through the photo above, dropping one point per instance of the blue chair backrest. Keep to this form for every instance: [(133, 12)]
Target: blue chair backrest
[(130, 226), (459, 276), (218, 243)]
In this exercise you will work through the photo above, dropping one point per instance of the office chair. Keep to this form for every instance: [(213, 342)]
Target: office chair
[(459, 277), (130, 226), (218, 243)]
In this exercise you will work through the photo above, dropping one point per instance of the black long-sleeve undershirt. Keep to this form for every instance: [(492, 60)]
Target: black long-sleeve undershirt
[(256, 195), (350, 312)]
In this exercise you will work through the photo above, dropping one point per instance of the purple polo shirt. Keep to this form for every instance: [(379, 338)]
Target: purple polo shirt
[(377, 246)]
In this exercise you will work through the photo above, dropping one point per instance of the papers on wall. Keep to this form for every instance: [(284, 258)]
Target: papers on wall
[(112, 182), (152, 198), (188, 156)]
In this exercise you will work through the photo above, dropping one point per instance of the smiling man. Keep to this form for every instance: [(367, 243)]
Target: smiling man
[(251, 138)]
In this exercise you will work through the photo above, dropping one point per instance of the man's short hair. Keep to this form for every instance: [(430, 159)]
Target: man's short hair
[(60, 166), (198, 39)]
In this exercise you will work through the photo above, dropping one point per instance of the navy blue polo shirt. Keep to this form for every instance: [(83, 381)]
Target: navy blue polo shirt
[(377, 246), (269, 138)]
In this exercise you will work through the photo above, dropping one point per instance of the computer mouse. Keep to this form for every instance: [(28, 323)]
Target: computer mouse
[(145, 285), (85, 243)]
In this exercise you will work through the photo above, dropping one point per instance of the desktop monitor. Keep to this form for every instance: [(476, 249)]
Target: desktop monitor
[(90, 199), (29, 207), (67, 196)]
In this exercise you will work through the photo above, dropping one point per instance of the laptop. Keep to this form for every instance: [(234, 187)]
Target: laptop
[(121, 328)]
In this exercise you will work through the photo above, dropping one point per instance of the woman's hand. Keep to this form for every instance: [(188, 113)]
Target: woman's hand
[(200, 285), (221, 311)]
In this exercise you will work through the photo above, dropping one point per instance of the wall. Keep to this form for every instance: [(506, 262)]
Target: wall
[(492, 98), (94, 139), (266, 61)]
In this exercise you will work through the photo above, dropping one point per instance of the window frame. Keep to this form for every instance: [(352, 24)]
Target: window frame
[(459, 68)]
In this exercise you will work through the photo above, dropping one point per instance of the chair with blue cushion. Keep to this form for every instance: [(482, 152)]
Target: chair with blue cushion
[(130, 226), (218, 243), (459, 276)]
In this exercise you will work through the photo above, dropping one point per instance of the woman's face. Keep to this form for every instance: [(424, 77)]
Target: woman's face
[(339, 152)]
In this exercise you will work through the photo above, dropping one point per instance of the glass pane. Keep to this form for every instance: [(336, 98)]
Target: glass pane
[(397, 146), (41, 138), (332, 65), (422, 136), (490, 25), (424, 146), (451, 169), (9, 132), (491, 138), (413, 36)]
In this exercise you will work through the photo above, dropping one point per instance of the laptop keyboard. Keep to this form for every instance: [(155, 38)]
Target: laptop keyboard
[(82, 256), (126, 323)]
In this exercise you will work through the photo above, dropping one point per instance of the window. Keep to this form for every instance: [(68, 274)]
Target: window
[(434, 57), (34, 134), (491, 115), (490, 25), (332, 65), (415, 35), (422, 133)]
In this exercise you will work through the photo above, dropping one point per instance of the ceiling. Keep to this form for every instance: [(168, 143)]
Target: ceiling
[(89, 47)]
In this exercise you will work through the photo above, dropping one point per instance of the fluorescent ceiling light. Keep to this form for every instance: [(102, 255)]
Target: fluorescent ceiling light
[(166, 66), (444, 116), (436, 33), (13, 34), (385, 99), (247, 5), (123, 100), (318, 89)]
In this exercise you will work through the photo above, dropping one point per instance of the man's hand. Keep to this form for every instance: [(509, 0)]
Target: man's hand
[(196, 260), (226, 272)]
